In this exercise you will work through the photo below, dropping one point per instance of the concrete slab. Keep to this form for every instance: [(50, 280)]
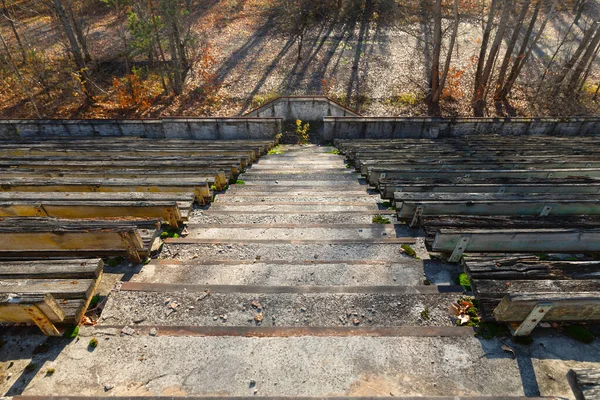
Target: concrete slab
[(299, 197), (316, 184), (334, 232), (292, 252), (299, 366), (296, 207), (200, 217), (277, 309), (409, 272)]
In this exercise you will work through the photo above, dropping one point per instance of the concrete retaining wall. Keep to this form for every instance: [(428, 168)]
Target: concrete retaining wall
[(304, 108), (172, 128), (387, 128)]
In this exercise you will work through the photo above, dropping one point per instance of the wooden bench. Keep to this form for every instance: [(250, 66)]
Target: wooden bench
[(523, 289), (200, 187), (48, 237), (183, 200), (47, 292), (167, 211), (107, 159), (411, 206), (479, 163), (388, 187), (459, 241), (213, 177), (231, 167), (585, 383), (375, 175)]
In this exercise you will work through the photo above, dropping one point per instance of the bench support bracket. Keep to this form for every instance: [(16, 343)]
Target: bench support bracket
[(535, 316), (460, 248), (417, 217)]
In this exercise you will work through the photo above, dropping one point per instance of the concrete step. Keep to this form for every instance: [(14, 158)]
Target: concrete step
[(315, 185), (146, 304), (294, 207), (317, 197), (143, 365), (342, 176), (224, 250), (313, 273), (298, 231), (305, 189), (285, 167), (228, 217)]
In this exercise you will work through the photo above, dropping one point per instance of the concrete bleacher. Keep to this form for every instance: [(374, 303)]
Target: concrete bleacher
[(95, 197), (500, 195)]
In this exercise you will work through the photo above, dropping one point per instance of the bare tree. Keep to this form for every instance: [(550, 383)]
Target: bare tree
[(438, 80), (75, 48), (478, 100), (509, 50)]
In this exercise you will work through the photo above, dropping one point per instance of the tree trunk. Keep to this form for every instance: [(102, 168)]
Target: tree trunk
[(75, 49), (78, 32), (483, 49), (509, 50), (441, 82), (10, 16), (479, 99), (432, 99)]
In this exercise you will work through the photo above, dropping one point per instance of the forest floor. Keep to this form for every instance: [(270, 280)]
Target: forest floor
[(375, 70)]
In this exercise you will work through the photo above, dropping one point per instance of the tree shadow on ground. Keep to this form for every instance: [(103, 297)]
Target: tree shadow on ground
[(270, 68), (251, 46), (28, 343)]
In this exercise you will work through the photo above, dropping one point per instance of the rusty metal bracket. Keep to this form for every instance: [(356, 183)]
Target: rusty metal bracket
[(534, 317)]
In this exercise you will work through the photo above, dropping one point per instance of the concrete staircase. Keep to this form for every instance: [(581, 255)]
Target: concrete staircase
[(285, 288)]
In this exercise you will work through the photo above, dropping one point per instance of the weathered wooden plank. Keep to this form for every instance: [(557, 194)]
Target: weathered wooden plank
[(585, 383), (213, 176), (98, 159), (42, 310), (495, 204), (229, 168), (58, 288), (520, 240), (566, 306), (166, 211), (497, 289), (200, 187), (388, 187), (52, 269), (373, 178), (47, 237), (507, 269), (432, 224)]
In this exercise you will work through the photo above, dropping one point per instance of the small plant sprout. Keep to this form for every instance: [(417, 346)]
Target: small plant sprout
[(93, 343), (425, 314), (71, 332), (409, 251), (463, 280), (276, 150), (240, 182), (302, 131), (378, 219), (50, 371)]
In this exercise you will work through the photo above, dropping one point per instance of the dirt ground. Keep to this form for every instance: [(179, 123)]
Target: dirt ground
[(376, 70)]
